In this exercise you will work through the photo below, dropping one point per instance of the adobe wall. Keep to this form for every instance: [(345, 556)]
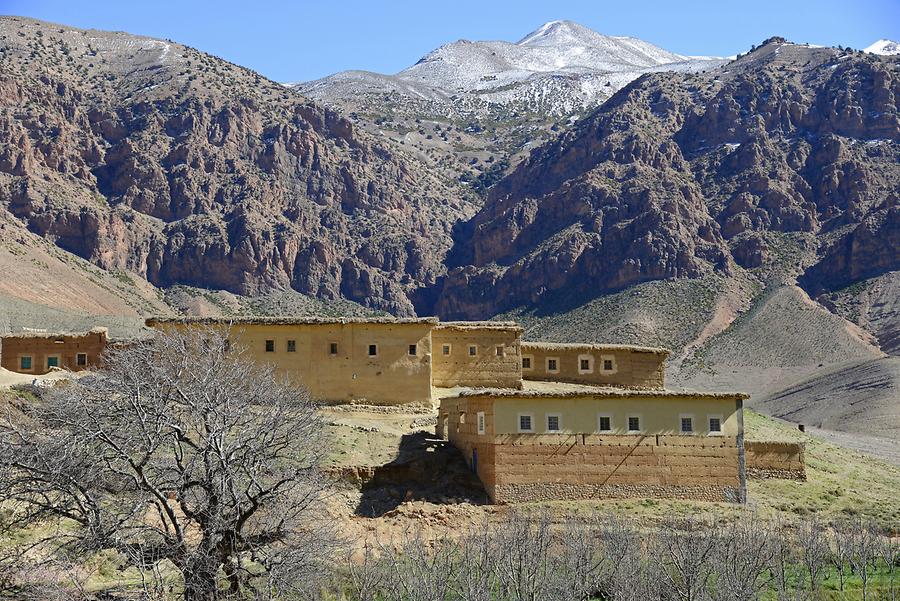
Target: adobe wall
[(769, 459), (391, 377), (465, 437), (603, 467), (631, 369), (486, 369), (41, 346)]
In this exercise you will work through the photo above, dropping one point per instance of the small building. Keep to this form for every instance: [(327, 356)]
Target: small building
[(477, 354), (380, 360), (589, 443), (595, 364), (38, 353)]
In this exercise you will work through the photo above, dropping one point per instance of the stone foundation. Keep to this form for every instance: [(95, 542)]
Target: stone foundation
[(524, 493)]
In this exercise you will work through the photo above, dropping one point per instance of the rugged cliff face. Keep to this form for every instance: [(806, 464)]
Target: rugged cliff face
[(150, 156), (679, 175)]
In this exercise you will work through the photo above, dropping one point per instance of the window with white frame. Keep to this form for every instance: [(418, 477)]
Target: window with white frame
[(585, 364), (554, 422), (480, 419), (553, 365), (715, 424), (604, 422), (527, 362), (608, 364), (473, 350), (686, 423), (526, 422), (634, 424), (373, 350)]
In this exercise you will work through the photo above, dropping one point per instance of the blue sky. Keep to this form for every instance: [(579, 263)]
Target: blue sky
[(295, 41)]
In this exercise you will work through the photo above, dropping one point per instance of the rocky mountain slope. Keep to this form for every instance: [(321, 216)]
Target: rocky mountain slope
[(483, 102), (149, 156), (682, 175), (886, 47)]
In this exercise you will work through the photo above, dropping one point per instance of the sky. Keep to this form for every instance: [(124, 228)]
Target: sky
[(304, 40)]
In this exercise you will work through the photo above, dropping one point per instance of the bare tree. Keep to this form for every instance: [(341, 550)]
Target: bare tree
[(890, 555), (684, 551), (621, 549), (742, 559), (476, 573), (526, 541), (841, 550), (365, 575), (864, 546), (421, 572), (812, 539), (179, 449)]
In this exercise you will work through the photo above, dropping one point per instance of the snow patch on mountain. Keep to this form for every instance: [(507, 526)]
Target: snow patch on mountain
[(886, 47)]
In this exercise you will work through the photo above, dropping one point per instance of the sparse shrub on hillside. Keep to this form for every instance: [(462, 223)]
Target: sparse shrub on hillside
[(177, 453)]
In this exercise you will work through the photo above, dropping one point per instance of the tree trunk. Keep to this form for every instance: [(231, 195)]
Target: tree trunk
[(201, 580)]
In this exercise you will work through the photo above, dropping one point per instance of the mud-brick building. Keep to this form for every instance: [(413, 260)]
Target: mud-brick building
[(595, 443), (375, 360), (477, 354), (594, 364), (38, 353)]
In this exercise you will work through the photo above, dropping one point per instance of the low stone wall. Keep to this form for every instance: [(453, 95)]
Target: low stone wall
[(770, 459), (591, 466)]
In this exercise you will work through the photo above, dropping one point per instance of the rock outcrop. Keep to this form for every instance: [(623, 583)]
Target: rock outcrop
[(683, 174), (150, 156)]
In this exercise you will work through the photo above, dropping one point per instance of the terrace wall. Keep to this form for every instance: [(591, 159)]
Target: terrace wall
[(775, 460)]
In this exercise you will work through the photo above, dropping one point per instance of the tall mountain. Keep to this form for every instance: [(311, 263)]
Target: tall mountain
[(482, 102), (689, 174), (149, 156)]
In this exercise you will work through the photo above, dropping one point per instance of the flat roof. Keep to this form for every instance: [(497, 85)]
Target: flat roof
[(506, 326), (588, 346), (587, 392), (288, 321), (81, 334)]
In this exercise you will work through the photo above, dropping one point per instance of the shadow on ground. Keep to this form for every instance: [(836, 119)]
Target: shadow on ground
[(426, 469)]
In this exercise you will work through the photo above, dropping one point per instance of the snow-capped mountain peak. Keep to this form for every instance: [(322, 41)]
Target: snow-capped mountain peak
[(887, 47), (556, 69)]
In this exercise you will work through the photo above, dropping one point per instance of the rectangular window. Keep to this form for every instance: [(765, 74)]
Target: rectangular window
[(332, 348), (270, 346), (473, 350), (687, 424), (500, 351), (552, 365), (446, 349), (526, 362), (373, 350), (585, 364), (634, 423), (553, 422), (412, 350), (604, 423), (526, 422), (25, 363), (715, 425), (52, 362), (292, 346), (480, 418), (607, 365), (81, 359)]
